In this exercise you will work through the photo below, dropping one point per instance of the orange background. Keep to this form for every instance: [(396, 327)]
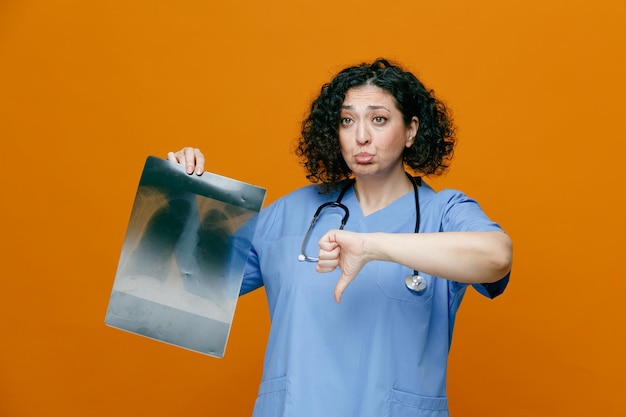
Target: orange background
[(88, 89)]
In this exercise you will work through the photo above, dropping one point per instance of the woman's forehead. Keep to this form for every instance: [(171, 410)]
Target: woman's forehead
[(368, 94)]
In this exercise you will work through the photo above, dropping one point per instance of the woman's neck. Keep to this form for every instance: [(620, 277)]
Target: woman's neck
[(375, 193)]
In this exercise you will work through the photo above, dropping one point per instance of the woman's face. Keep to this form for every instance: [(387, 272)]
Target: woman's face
[(372, 132)]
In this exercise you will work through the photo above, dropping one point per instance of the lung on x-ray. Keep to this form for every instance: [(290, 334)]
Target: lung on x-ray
[(182, 261)]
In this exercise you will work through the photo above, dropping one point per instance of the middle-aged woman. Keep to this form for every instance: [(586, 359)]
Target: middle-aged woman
[(362, 314)]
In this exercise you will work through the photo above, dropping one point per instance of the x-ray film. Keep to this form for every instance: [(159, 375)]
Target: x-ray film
[(182, 261)]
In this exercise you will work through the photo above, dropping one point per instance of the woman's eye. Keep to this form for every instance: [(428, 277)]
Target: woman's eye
[(379, 120), (346, 121)]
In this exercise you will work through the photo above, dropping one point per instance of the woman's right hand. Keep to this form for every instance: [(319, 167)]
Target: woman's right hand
[(192, 158)]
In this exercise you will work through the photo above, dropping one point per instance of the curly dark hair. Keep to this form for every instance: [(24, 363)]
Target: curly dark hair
[(319, 149)]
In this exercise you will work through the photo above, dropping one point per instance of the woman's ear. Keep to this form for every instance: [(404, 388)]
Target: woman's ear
[(412, 129)]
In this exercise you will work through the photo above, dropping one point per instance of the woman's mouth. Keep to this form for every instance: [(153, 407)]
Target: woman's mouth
[(363, 158)]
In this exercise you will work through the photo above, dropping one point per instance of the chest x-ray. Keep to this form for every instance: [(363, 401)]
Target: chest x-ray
[(182, 262)]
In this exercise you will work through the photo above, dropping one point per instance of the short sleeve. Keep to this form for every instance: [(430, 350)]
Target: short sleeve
[(464, 214), (252, 277), (243, 245)]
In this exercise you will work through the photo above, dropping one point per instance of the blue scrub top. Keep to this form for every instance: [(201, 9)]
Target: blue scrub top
[(383, 351)]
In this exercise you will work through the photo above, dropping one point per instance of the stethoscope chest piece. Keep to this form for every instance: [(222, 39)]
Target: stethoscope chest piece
[(415, 282)]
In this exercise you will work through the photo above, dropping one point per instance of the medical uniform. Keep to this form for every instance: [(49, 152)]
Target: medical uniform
[(383, 350)]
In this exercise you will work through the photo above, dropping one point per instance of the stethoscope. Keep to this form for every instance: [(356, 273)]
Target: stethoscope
[(414, 282)]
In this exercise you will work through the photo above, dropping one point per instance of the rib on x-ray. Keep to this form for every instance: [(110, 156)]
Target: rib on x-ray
[(181, 266)]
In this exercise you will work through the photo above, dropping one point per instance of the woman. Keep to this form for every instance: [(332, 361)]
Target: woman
[(398, 269)]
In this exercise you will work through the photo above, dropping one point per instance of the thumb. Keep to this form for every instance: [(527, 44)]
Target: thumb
[(342, 284)]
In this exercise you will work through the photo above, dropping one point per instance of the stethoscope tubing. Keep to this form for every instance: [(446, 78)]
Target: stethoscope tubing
[(414, 282)]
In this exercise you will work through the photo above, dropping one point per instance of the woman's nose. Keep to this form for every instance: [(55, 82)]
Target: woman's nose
[(362, 135)]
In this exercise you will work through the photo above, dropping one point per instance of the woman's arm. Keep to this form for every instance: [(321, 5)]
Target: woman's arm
[(469, 257)]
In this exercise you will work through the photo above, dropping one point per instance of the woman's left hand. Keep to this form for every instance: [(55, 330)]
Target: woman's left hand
[(346, 250), (469, 257)]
